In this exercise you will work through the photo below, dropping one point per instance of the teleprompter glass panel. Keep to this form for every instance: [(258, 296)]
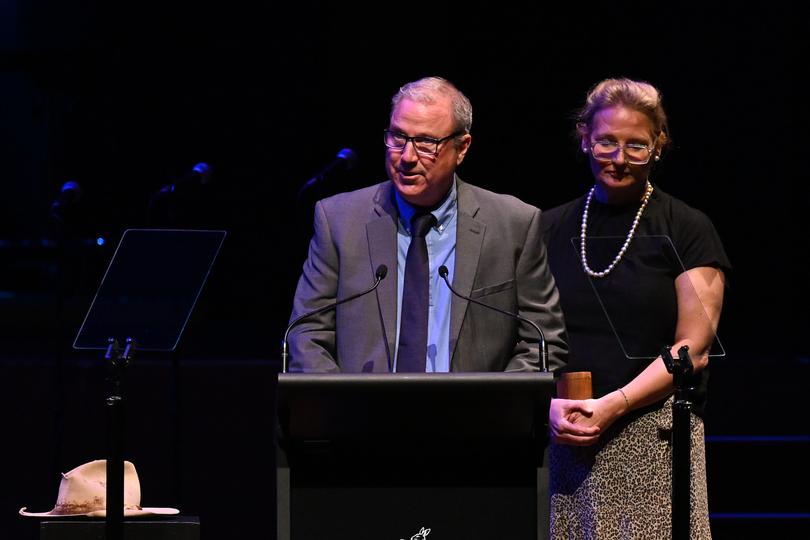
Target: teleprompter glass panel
[(150, 288), (640, 296)]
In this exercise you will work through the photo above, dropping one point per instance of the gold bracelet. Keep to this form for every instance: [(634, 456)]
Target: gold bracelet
[(627, 401)]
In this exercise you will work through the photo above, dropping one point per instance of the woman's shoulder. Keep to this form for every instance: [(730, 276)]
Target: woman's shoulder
[(554, 217), (692, 232), (681, 215)]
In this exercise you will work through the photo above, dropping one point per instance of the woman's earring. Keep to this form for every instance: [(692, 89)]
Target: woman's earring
[(657, 157)]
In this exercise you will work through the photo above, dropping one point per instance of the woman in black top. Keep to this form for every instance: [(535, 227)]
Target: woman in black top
[(636, 269)]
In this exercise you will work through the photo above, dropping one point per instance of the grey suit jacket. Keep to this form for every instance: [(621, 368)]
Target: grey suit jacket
[(500, 260)]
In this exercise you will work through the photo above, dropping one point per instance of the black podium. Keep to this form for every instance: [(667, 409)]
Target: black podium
[(386, 455)]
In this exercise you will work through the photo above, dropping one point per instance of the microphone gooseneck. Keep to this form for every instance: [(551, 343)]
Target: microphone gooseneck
[(542, 342), (379, 275), (346, 159)]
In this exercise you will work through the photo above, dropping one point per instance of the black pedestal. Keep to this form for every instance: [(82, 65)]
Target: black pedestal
[(144, 528)]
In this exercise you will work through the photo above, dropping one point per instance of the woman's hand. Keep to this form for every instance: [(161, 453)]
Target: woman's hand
[(580, 422), (567, 421), (606, 410)]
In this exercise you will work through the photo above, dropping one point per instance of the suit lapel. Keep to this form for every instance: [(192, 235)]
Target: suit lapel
[(381, 231), (469, 239)]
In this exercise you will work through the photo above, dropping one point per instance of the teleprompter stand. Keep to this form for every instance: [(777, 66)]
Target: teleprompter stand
[(681, 370), (145, 299), (634, 324), (117, 359)]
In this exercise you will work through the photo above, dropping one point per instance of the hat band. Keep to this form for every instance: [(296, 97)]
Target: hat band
[(70, 508)]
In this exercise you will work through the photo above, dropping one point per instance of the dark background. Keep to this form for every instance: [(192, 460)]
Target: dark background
[(125, 101)]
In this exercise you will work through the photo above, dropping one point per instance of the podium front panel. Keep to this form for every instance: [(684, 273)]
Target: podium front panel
[(381, 456)]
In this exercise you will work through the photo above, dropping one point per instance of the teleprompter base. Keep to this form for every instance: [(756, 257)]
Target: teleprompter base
[(143, 528)]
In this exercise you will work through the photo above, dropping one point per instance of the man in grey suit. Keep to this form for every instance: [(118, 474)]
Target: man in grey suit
[(490, 244)]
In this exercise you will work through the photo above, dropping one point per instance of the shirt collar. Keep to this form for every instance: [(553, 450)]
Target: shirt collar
[(443, 213)]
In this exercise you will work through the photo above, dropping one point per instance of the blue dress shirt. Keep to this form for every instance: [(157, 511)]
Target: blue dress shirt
[(441, 246)]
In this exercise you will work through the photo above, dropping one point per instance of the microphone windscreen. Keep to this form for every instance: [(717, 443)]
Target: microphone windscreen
[(349, 156), (204, 171), (381, 272)]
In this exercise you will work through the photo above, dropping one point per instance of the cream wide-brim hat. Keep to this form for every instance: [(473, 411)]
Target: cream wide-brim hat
[(83, 492)]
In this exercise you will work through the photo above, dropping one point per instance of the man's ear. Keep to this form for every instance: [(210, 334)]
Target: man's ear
[(463, 146)]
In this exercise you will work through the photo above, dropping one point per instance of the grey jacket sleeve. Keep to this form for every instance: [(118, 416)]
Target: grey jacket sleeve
[(538, 301), (312, 342)]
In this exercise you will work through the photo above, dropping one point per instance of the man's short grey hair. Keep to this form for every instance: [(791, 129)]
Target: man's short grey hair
[(425, 91)]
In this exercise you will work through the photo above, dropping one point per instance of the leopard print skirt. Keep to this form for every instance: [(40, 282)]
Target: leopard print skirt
[(620, 488)]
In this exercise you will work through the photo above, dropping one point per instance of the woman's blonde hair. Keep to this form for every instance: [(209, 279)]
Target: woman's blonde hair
[(637, 95)]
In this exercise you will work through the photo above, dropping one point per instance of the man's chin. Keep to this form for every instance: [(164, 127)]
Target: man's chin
[(409, 187), (409, 179), (414, 194)]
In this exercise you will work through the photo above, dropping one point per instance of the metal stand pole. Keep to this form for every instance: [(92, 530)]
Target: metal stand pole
[(118, 361), (681, 370)]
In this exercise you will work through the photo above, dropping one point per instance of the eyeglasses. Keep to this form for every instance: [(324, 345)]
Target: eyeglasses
[(427, 146), (634, 153)]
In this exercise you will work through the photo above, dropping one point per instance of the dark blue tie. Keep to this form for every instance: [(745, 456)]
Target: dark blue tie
[(413, 328)]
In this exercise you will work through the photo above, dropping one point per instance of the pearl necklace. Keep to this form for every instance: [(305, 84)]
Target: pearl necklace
[(584, 229)]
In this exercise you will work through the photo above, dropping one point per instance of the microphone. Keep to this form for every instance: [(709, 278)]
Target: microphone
[(175, 204), (542, 342), (346, 159), (379, 275), (201, 174), (69, 195)]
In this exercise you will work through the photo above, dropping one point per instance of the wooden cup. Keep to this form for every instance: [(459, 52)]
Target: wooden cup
[(575, 385)]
